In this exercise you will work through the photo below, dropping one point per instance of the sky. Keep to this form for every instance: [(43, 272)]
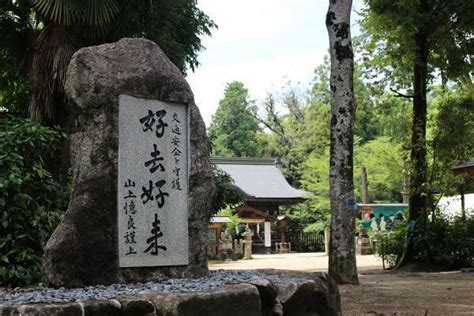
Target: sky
[(263, 43)]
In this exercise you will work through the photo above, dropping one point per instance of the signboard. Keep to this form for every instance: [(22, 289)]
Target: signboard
[(152, 193), (267, 234), (212, 235)]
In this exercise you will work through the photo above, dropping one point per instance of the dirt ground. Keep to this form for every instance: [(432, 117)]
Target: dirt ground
[(404, 293), (380, 292)]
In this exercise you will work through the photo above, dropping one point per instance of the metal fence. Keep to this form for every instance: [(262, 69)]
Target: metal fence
[(306, 242)]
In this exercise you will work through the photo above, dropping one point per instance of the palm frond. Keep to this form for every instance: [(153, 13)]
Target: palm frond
[(90, 13), (54, 48)]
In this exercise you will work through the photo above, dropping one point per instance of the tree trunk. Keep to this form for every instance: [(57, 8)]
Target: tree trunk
[(342, 260), (364, 185), (418, 208), (463, 204), (406, 182)]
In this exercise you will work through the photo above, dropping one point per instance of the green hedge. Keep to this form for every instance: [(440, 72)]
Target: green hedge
[(31, 200)]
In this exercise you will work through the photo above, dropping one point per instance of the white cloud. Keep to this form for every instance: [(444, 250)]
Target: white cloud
[(263, 43), (259, 76), (245, 19)]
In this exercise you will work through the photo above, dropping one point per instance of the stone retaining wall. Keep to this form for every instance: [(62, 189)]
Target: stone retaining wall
[(281, 294)]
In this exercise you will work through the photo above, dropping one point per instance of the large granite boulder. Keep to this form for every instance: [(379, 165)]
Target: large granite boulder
[(83, 249)]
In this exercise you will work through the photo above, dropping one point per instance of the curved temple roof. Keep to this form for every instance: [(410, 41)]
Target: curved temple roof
[(466, 167), (259, 179)]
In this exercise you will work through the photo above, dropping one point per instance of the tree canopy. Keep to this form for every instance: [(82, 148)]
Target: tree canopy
[(234, 131), (421, 35), (39, 37)]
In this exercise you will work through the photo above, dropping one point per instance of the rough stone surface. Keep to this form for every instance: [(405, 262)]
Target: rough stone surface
[(225, 293), (268, 294), (326, 299), (136, 306), (99, 308), (51, 310), (302, 293), (295, 296), (230, 300), (9, 311), (277, 309), (83, 248)]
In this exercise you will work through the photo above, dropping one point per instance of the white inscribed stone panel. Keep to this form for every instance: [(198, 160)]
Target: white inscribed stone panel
[(152, 193)]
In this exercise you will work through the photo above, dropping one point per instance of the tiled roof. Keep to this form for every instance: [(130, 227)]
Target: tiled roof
[(258, 178)]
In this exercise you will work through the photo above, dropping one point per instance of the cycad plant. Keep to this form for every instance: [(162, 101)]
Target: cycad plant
[(66, 25), (39, 38)]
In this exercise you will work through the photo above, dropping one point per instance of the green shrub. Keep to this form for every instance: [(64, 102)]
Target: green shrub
[(31, 200), (315, 227), (448, 245), (442, 244), (235, 219), (390, 246)]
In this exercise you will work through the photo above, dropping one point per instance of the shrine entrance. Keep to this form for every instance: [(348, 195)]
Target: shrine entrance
[(265, 189)]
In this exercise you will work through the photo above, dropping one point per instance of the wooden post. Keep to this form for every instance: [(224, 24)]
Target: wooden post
[(463, 205), (364, 185), (326, 240), (268, 240)]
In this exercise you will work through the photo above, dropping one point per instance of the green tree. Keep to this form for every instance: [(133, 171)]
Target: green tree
[(303, 129), (226, 193), (43, 34), (176, 26), (418, 34), (315, 179), (383, 159), (452, 142), (234, 130), (291, 139)]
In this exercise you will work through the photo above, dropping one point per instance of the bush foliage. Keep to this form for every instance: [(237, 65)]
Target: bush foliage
[(31, 200), (442, 244)]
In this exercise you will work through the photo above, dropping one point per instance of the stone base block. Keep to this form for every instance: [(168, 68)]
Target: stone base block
[(279, 293)]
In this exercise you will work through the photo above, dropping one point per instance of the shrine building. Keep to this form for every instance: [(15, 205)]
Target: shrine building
[(265, 189)]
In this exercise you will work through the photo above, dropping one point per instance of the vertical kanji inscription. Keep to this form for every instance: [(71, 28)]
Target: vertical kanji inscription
[(153, 170)]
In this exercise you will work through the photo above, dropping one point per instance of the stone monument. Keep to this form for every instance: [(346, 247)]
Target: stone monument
[(226, 239), (225, 251), (142, 180), (247, 234), (363, 242)]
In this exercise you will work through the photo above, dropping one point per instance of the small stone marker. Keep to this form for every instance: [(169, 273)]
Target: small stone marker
[(152, 183), (248, 234), (141, 177)]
